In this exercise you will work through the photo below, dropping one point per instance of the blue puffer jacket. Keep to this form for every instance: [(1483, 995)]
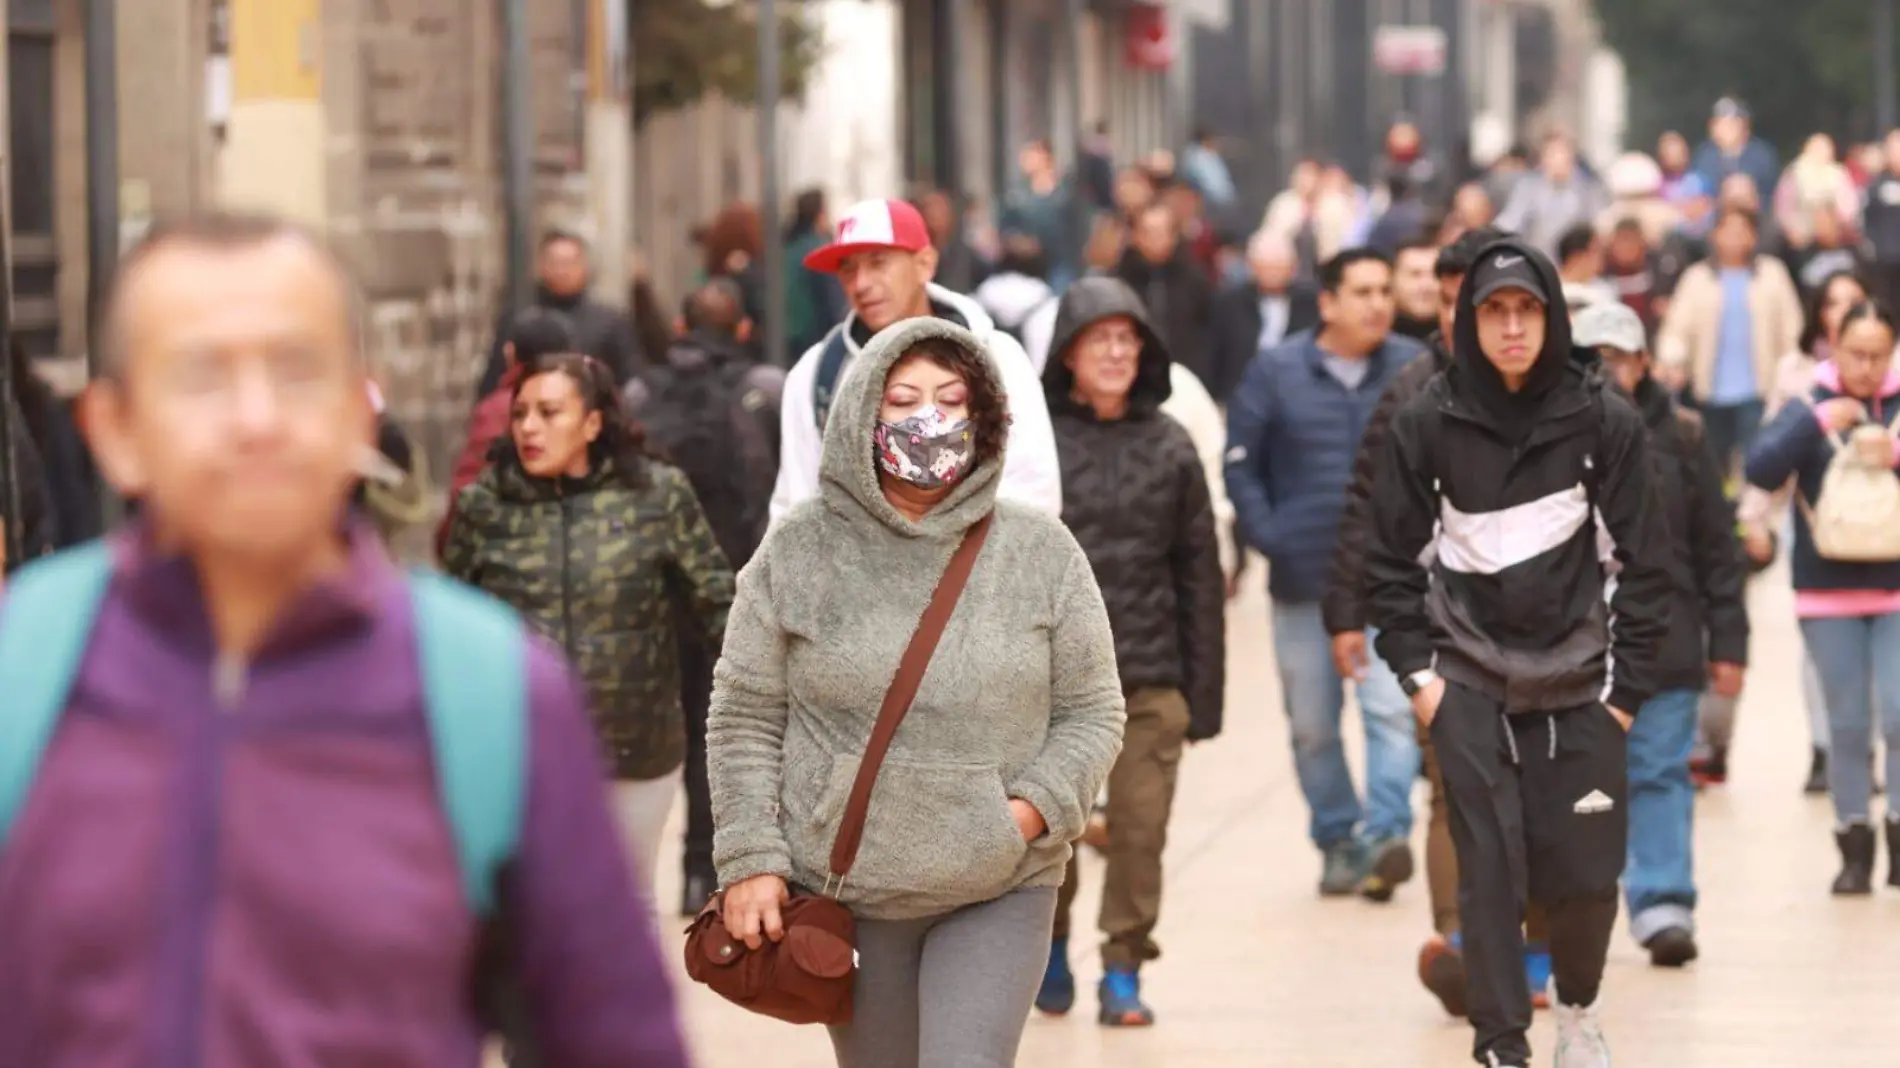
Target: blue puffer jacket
[(1292, 433)]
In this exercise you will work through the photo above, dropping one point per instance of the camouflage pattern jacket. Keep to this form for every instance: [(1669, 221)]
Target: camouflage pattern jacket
[(595, 566)]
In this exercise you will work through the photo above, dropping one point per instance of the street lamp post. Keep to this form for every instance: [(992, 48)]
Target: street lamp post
[(1883, 65), (517, 123), (774, 247), (101, 49)]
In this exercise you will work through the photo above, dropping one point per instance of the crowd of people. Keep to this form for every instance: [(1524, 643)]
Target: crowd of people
[(1510, 473)]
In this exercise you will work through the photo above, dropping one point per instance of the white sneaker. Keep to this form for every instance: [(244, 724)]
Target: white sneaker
[(1580, 1042)]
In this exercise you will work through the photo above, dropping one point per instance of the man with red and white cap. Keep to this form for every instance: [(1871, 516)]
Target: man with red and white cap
[(883, 258)]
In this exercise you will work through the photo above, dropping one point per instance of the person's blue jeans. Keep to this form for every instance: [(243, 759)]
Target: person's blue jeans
[(1315, 697), (1659, 878), (1858, 659)]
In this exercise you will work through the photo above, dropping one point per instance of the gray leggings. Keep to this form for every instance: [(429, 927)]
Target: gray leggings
[(950, 991)]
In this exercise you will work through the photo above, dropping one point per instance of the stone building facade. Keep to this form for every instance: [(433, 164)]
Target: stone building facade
[(374, 121)]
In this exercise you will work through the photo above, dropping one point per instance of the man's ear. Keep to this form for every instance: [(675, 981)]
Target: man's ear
[(927, 260), (101, 412), (679, 326), (744, 330)]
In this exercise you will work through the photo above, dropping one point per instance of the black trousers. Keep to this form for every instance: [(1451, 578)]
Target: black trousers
[(696, 676), (1539, 813)]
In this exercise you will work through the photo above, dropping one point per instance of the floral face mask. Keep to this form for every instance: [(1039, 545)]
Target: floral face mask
[(929, 450)]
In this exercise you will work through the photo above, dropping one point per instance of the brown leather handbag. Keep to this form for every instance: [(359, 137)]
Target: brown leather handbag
[(807, 978)]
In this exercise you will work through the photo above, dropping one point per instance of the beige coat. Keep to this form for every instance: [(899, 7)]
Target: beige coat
[(1691, 329)]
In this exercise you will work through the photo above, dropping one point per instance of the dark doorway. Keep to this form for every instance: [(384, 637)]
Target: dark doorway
[(31, 29)]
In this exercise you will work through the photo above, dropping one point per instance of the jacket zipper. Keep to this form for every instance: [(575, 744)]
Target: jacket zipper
[(198, 887), (567, 596), (230, 672)]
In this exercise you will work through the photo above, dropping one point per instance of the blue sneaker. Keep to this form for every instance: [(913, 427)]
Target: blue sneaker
[(1057, 995), (1537, 974), (1121, 1000)]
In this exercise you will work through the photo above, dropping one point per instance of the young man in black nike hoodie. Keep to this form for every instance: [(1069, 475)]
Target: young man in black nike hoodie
[(1534, 476)]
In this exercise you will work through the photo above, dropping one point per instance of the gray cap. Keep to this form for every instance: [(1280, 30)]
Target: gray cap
[(1505, 269), (1609, 324)]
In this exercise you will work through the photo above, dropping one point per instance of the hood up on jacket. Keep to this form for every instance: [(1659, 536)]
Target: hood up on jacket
[(847, 472), (1088, 301), (1474, 376)]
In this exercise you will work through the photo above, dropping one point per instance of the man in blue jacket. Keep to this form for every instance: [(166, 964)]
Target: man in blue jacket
[(1293, 430), (1733, 148)]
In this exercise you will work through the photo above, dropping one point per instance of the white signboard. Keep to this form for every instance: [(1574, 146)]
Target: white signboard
[(1409, 50)]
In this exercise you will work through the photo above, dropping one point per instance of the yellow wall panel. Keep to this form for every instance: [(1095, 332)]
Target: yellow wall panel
[(274, 49)]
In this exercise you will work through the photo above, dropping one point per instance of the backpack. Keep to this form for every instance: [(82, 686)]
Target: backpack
[(1856, 516), (824, 385), (474, 681), (712, 423)]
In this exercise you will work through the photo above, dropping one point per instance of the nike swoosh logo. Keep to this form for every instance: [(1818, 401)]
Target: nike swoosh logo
[(1507, 261)]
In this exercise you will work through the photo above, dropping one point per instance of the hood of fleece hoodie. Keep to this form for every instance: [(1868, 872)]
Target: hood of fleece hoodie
[(1088, 301), (1473, 372), (847, 471)]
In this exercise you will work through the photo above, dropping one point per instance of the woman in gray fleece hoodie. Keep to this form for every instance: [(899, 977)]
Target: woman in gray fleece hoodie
[(991, 776)]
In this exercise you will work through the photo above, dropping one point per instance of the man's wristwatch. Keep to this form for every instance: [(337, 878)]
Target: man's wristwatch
[(1417, 681)]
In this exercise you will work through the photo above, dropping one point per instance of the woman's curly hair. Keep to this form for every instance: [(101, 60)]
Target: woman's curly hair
[(622, 439), (989, 412)]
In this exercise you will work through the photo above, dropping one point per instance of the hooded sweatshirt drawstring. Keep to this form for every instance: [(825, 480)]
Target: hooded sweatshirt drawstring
[(1553, 736), (1510, 738)]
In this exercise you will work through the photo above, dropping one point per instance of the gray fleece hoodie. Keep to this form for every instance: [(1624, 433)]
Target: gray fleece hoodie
[(1022, 699)]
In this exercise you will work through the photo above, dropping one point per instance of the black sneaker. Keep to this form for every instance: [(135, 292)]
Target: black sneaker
[(695, 891), (1391, 865), (1817, 774), (1893, 852), (1671, 947)]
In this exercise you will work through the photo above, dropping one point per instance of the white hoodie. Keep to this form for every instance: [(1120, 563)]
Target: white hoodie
[(1031, 474)]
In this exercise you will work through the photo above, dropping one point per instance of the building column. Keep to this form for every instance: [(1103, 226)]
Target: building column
[(608, 147), (164, 148), (275, 156)]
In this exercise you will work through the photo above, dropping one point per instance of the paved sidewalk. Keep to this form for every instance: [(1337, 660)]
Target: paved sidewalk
[(1261, 973)]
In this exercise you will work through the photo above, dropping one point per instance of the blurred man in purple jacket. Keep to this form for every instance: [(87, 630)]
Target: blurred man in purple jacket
[(233, 854)]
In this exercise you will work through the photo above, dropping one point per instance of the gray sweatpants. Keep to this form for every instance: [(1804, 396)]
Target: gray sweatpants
[(950, 991)]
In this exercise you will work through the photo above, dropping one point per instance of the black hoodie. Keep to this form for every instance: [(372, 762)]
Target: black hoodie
[(1135, 496), (1508, 483), (1708, 617)]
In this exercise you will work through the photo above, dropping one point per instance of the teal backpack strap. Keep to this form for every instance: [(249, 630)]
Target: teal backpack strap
[(475, 691), (50, 606)]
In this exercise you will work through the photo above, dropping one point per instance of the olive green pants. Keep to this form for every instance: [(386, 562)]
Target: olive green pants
[(1140, 797)]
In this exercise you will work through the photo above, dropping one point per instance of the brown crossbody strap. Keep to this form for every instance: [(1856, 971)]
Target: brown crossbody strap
[(910, 675)]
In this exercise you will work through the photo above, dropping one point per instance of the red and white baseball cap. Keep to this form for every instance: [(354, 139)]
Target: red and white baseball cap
[(872, 224)]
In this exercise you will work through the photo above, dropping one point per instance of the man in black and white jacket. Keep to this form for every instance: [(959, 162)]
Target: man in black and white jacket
[(1535, 477)]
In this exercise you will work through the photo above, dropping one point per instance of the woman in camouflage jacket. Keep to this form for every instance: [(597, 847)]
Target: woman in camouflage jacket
[(592, 540)]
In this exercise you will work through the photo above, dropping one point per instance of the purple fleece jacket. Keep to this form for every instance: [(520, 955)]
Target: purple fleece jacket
[(271, 883)]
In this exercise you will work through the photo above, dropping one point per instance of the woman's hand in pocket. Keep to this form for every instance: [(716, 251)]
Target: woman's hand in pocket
[(1028, 820)]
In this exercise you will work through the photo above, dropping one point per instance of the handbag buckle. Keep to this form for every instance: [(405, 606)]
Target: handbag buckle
[(834, 887)]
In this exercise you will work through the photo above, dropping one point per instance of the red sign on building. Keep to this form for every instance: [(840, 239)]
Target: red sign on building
[(1149, 39)]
